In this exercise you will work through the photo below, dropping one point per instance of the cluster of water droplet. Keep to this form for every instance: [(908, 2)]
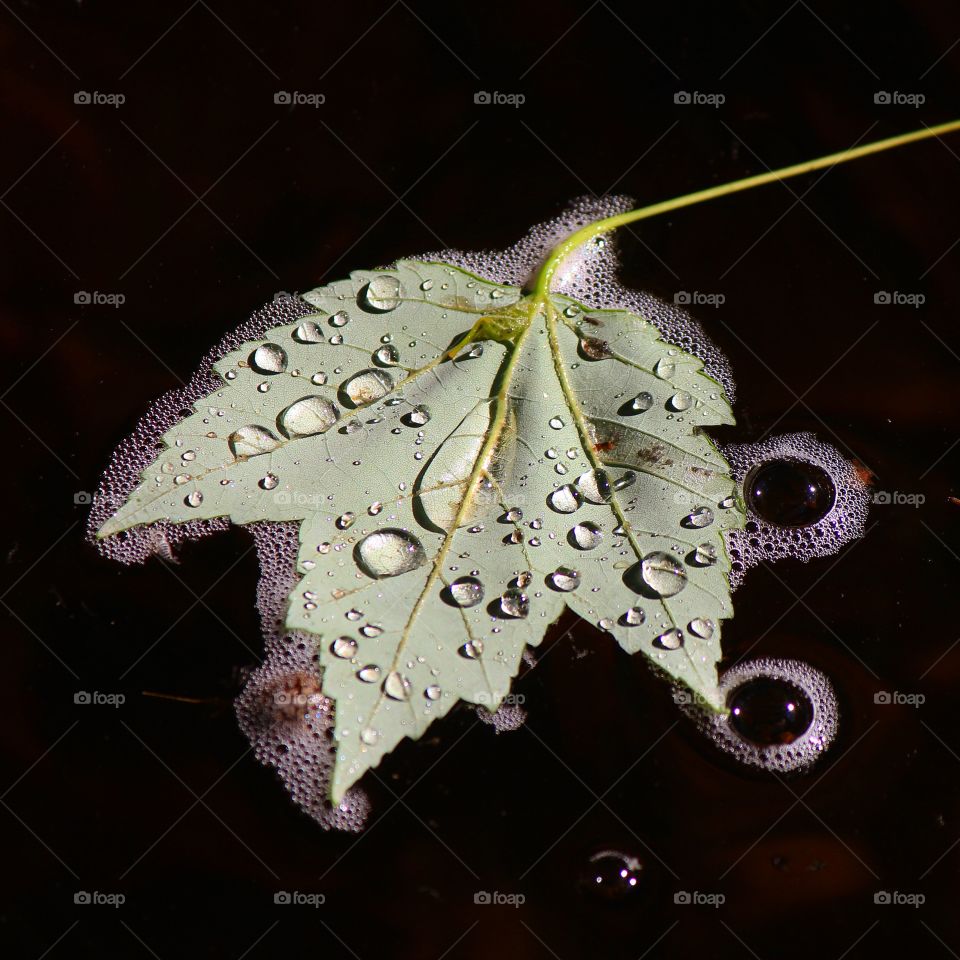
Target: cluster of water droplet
[(829, 511), (782, 714)]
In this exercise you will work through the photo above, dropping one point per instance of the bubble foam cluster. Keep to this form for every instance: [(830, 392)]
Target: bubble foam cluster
[(762, 540), (780, 757)]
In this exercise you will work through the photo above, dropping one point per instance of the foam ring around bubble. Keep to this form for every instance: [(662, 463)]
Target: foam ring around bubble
[(802, 752)]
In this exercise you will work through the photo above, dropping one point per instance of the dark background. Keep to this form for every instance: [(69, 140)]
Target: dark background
[(199, 198)]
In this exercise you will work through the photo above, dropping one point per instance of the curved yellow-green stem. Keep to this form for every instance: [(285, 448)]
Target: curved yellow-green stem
[(592, 230)]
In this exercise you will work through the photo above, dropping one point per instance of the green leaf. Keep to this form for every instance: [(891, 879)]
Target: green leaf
[(465, 461)]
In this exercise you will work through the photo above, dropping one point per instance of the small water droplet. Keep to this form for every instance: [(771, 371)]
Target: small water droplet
[(269, 482), (565, 579), (308, 332), (705, 555), (605, 623), (465, 592), (193, 499), (556, 423), (371, 630), (513, 515), (370, 673), (353, 614), (432, 692), (665, 368), (427, 284), (336, 339), (319, 379), (624, 480), (523, 579), (389, 553), (701, 517), (389, 356), (670, 640), (369, 736), (383, 293), (681, 400), (701, 627), (633, 617), (472, 649), (587, 535), (595, 486), (515, 603), (419, 416), (345, 520), (344, 647), (396, 686), (339, 319), (640, 403), (269, 358)]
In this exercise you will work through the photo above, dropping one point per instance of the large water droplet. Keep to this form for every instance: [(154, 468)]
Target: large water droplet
[(595, 486), (790, 493), (251, 441), (367, 386), (308, 416), (565, 579), (383, 293), (663, 573), (269, 358), (586, 536), (389, 552), (465, 592), (565, 499)]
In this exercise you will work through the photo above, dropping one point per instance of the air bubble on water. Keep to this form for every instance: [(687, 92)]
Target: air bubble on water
[(383, 293), (389, 553), (565, 579), (565, 499), (308, 417), (465, 592), (789, 742), (308, 332), (269, 358), (586, 536), (765, 541), (663, 573), (367, 386), (252, 441)]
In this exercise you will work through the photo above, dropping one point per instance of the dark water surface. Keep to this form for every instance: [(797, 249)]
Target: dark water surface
[(199, 198)]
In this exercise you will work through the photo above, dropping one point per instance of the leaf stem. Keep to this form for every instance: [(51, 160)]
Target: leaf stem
[(585, 234)]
